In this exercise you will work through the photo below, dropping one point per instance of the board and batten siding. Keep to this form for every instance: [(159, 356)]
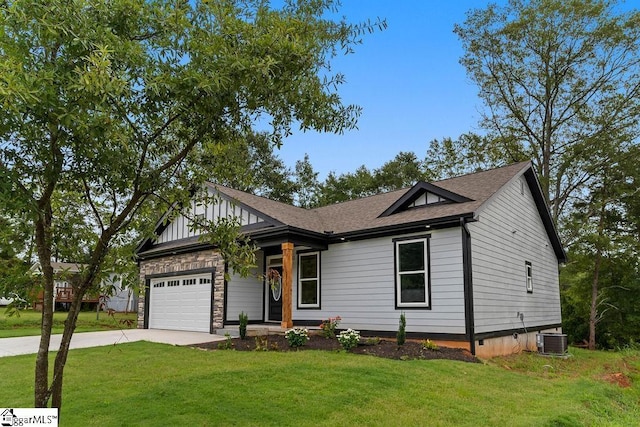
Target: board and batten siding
[(509, 233), (246, 294), (357, 284), (223, 208)]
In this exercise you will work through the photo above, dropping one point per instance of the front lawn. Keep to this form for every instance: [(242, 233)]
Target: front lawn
[(29, 322), (154, 384)]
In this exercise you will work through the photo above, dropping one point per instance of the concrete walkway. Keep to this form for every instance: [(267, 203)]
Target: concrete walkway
[(29, 345)]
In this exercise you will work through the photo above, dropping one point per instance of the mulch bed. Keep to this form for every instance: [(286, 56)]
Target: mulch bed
[(374, 347)]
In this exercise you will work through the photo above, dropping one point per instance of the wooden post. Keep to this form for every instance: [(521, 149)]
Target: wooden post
[(287, 285)]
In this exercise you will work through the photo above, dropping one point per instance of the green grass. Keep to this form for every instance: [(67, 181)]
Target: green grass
[(154, 384), (29, 323)]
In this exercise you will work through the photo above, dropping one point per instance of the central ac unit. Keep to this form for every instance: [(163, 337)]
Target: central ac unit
[(553, 344)]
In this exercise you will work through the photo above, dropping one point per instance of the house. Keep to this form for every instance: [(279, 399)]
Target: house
[(472, 261), (64, 274)]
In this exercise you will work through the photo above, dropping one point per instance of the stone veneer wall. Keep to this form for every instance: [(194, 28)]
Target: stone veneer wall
[(184, 263)]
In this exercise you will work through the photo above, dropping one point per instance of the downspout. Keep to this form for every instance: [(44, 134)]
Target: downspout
[(468, 285), (147, 296)]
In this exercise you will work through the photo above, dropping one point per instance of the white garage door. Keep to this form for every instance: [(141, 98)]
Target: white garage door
[(181, 303)]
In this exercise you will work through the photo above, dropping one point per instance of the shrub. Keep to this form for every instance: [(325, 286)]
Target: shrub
[(372, 341), (244, 320), (227, 344), (430, 345), (329, 326), (297, 337), (349, 339), (262, 343), (401, 336)]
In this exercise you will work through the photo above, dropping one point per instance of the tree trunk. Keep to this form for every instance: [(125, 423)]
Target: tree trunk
[(41, 386), (593, 310), (63, 351)]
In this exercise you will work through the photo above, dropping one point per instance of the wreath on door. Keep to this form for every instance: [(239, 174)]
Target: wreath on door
[(274, 279)]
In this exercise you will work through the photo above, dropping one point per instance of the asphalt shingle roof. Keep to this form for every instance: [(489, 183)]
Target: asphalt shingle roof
[(364, 214)]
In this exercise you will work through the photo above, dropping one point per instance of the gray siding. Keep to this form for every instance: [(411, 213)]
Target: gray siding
[(179, 226), (357, 283), (246, 294), (509, 233)]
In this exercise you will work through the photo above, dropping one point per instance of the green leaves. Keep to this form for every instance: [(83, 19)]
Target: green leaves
[(556, 77), (110, 108)]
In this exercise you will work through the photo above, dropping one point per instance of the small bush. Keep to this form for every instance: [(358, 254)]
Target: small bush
[(349, 339), (372, 341), (297, 337), (329, 326), (430, 345), (401, 336), (227, 344), (244, 320), (262, 343)]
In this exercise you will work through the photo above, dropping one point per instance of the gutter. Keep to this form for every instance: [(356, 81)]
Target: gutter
[(468, 285)]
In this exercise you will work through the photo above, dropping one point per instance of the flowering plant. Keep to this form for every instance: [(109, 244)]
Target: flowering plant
[(329, 326), (349, 339), (297, 337), (430, 345)]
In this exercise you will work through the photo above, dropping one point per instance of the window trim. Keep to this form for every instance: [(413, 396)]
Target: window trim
[(528, 280), (426, 240), (300, 305)]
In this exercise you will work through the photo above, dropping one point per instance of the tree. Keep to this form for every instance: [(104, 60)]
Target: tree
[(604, 250), (348, 186), (403, 171), (467, 154), (557, 77), (306, 184), (249, 164), (119, 100), (15, 246)]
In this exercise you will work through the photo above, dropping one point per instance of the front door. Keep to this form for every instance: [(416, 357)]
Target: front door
[(273, 284)]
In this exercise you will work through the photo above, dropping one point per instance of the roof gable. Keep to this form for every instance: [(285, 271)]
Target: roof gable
[(423, 194)]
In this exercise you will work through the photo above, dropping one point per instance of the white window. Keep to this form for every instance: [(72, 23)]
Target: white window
[(309, 280), (529, 276), (412, 272)]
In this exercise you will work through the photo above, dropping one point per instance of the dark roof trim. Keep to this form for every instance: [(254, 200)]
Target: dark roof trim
[(162, 223), (416, 191), (160, 226), (545, 215), (278, 235), (172, 249), (411, 227), (275, 236)]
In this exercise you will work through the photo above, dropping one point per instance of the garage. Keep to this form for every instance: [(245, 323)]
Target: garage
[(181, 303)]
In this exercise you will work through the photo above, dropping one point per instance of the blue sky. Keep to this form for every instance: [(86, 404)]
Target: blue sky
[(407, 79)]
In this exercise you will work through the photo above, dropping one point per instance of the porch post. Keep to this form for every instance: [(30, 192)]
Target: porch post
[(287, 280)]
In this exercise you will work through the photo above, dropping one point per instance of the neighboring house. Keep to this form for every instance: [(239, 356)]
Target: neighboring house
[(472, 261), (65, 272)]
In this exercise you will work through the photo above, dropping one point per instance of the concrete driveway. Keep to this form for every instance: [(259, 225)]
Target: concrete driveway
[(29, 345)]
